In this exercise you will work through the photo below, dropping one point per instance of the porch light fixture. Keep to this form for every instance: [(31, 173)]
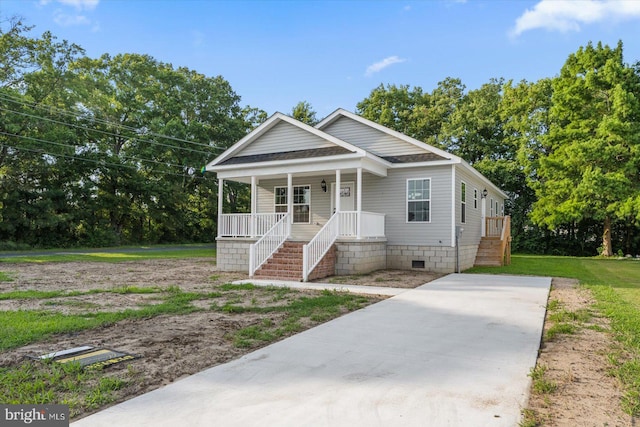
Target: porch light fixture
[(484, 193), (323, 185)]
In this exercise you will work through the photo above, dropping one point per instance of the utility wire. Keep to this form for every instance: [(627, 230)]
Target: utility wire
[(119, 125), (108, 133), (99, 162), (75, 147)]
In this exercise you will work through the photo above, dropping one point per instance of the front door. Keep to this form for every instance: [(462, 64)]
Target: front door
[(347, 196)]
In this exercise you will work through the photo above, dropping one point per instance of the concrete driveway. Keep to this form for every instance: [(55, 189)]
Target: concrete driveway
[(453, 352)]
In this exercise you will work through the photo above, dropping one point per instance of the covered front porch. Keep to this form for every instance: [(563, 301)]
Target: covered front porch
[(326, 206)]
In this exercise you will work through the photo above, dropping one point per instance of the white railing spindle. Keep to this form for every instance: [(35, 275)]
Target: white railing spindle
[(247, 225), (263, 248)]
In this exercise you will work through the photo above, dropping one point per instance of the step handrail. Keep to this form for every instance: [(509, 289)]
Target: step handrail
[(317, 248), (505, 242), (267, 245)]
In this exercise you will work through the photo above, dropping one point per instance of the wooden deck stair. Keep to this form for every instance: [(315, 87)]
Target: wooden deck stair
[(495, 247), (286, 264), (489, 252)]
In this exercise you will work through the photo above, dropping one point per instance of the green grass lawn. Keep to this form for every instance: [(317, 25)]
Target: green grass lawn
[(615, 284), (126, 254)]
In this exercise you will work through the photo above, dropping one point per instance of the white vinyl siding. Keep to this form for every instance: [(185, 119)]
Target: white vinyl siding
[(284, 137), (388, 195), (419, 200), (472, 217), (370, 139)]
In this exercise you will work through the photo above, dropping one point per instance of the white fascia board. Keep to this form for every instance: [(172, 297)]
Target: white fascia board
[(341, 112), (424, 164), (484, 179), (331, 163)]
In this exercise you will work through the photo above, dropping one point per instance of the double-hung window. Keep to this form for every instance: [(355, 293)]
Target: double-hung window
[(301, 202), (463, 202), (419, 200)]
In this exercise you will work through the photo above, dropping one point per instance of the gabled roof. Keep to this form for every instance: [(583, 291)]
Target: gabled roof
[(331, 150), (286, 155), (271, 122), (424, 146)]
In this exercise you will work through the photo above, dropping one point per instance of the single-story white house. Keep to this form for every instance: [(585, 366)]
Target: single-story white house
[(350, 196)]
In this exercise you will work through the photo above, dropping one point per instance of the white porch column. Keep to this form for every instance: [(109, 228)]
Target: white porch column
[(359, 203), (290, 197), (220, 201), (337, 195), (254, 205)]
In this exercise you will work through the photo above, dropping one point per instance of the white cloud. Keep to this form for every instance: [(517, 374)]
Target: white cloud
[(378, 66), (81, 4), (66, 17), (66, 20), (569, 15)]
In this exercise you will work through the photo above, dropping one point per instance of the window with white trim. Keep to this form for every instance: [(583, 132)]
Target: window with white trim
[(475, 198), (463, 202), (419, 200), (301, 202)]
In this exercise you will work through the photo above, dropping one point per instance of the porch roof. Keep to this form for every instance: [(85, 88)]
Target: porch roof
[(286, 155)]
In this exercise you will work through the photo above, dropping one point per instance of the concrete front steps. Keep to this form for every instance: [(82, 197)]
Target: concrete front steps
[(286, 264), (489, 253)]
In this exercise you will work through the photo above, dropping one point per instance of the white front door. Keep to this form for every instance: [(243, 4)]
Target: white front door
[(347, 196)]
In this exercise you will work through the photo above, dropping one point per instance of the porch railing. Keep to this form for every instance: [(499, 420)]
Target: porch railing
[(500, 226), (264, 247), (371, 224), (247, 225), (342, 224), (313, 251)]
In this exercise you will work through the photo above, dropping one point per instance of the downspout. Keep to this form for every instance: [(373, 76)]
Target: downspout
[(359, 203), (453, 206)]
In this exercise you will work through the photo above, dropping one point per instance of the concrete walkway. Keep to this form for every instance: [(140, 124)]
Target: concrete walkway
[(453, 352)]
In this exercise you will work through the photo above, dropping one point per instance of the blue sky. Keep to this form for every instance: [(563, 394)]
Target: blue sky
[(333, 53)]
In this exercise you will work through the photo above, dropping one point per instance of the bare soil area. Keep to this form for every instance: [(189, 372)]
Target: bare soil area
[(175, 346), (586, 394)]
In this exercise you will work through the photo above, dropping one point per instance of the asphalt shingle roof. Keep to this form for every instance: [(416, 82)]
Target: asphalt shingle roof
[(286, 155)]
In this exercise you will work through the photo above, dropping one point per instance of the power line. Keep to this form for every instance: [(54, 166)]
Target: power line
[(106, 132), (99, 162), (46, 141), (97, 120)]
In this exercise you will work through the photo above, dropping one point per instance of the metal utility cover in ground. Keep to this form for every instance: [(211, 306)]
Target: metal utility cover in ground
[(89, 357)]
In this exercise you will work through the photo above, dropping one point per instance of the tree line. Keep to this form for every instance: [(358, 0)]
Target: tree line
[(566, 149), (109, 150)]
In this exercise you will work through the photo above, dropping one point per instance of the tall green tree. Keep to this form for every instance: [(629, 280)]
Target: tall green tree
[(412, 111), (303, 111), (590, 168)]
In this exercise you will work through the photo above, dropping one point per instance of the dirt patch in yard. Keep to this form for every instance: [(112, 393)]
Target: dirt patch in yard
[(386, 278), (171, 346), (175, 346), (576, 364)]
